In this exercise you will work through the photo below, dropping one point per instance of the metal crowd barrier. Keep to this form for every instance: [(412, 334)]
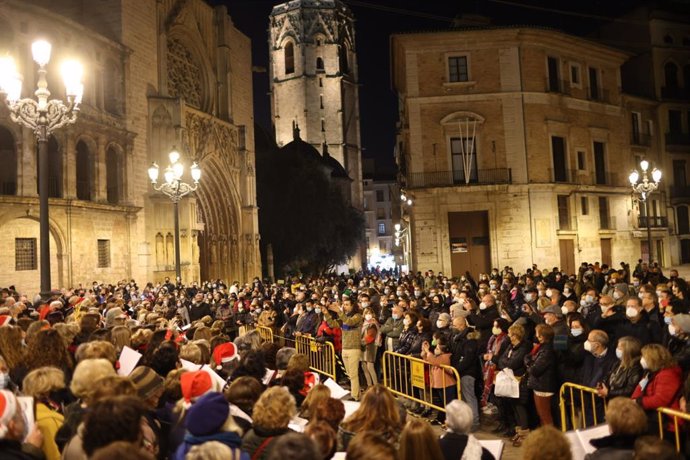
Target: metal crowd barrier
[(579, 419), (675, 416), (412, 378), (321, 355), (266, 333)]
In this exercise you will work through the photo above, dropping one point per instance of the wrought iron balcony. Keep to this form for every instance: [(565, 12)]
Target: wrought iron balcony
[(654, 221), (457, 178)]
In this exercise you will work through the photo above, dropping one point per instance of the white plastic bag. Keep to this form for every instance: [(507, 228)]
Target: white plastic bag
[(507, 385)]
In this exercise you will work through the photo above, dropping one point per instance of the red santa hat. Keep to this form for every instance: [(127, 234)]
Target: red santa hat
[(5, 320), (224, 353), (193, 385)]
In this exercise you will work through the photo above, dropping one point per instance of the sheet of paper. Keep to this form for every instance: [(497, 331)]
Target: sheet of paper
[(217, 379), (588, 434), (575, 446), (268, 376), (128, 361), (337, 391), (298, 424), (27, 405), (339, 456), (350, 407), (493, 446)]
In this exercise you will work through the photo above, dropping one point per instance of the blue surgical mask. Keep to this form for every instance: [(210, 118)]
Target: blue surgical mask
[(396, 317)]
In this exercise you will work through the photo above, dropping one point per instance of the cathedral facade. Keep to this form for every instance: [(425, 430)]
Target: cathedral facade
[(158, 75)]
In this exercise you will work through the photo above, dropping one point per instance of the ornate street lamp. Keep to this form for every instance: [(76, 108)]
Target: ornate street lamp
[(643, 189), (43, 116), (175, 189)]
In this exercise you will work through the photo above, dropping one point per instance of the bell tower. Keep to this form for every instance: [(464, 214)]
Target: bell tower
[(314, 82)]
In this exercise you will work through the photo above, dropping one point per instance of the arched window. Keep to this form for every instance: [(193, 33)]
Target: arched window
[(113, 175), (319, 64), (683, 222), (54, 169), (289, 58), (671, 75), (84, 171), (8, 160), (342, 57)]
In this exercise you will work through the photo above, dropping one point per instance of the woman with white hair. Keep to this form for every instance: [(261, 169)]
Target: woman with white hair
[(458, 443)]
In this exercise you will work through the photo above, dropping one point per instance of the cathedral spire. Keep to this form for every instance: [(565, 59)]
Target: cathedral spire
[(295, 130)]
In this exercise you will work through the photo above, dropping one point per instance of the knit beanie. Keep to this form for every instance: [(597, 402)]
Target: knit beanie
[(146, 381), (193, 385), (208, 414), (8, 408)]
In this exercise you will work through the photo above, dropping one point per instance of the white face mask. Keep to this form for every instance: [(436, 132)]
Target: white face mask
[(496, 330), (365, 304), (631, 312), (317, 310), (406, 322), (482, 306), (643, 363), (549, 293), (617, 295), (577, 332), (440, 324), (528, 297), (564, 310), (672, 329), (589, 298), (640, 295), (368, 317), (588, 346), (566, 291), (454, 291), (619, 353)]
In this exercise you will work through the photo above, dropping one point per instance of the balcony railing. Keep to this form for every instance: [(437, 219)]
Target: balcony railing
[(448, 178), (677, 138), (580, 177), (673, 92), (654, 221), (641, 139)]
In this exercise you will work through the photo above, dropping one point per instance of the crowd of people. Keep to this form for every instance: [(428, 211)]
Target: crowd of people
[(207, 385)]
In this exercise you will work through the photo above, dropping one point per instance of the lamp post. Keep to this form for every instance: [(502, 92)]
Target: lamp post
[(644, 188), (175, 189), (43, 116)]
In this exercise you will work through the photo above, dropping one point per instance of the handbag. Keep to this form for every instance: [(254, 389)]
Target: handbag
[(507, 386)]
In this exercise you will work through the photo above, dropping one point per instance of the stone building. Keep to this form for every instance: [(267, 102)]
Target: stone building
[(158, 75), (657, 77), (381, 213), (515, 146)]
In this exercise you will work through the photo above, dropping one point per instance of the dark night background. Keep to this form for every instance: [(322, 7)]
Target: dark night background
[(377, 20)]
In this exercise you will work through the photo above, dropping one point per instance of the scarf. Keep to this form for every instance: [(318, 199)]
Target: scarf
[(473, 450)]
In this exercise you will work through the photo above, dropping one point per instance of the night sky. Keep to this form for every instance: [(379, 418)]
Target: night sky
[(376, 20)]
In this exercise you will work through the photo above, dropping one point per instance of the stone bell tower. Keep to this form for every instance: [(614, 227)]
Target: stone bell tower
[(314, 82)]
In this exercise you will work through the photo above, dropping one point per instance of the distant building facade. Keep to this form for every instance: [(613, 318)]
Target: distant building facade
[(158, 75), (381, 213), (515, 145)]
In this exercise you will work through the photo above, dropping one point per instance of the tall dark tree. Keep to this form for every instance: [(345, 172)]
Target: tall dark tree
[(303, 212)]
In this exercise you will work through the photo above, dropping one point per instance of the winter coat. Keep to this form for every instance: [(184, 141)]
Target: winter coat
[(49, 421), (256, 437), (416, 347), (198, 311), (407, 338), (371, 340), (571, 360), (612, 447), (14, 450), (453, 447), (662, 390), (680, 349), (541, 369), (440, 377), (465, 354), (483, 321), (514, 358), (622, 381), (639, 330), (596, 369), (392, 329)]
